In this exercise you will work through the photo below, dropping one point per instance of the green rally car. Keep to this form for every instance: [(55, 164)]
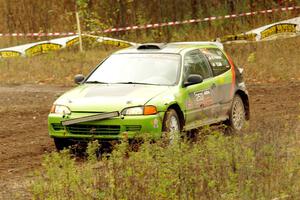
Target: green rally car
[(154, 89)]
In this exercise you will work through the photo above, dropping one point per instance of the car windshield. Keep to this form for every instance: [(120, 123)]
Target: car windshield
[(152, 69)]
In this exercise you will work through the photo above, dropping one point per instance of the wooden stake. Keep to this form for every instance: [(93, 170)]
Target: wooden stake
[(79, 32)]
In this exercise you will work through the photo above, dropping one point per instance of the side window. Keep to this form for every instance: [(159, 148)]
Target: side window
[(195, 63), (217, 60)]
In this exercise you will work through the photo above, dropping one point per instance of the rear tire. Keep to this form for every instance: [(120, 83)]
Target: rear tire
[(237, 115), (171, 126)]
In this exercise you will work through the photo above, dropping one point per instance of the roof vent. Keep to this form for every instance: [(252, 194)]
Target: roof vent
[(151, 46)]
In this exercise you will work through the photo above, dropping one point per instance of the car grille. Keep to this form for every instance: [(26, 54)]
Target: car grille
[(94, 129), (135, 128), (57, 127)]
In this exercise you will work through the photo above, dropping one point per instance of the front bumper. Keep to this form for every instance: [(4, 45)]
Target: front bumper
[(108, 129)]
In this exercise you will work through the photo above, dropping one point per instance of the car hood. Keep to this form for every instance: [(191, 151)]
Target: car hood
[(108, 97)]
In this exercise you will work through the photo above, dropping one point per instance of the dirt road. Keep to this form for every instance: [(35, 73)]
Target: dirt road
[(23, 124), (23, 132)]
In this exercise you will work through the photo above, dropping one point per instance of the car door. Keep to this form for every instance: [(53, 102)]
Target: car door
[(224, 76), (200, 99)]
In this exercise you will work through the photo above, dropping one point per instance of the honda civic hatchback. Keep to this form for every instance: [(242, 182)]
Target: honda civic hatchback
[(155, 89)]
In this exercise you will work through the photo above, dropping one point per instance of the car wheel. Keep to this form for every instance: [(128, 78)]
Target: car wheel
[(61, 143), (237, 115), (171, 126)]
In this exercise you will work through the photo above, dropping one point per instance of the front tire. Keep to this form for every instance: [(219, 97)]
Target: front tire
[(237, 115), (171, 126), (62, 143)]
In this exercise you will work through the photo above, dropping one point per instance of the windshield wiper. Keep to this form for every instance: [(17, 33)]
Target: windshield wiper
[(98, 82), (138, 83)]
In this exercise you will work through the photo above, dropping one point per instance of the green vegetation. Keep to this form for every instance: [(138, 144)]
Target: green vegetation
[(27, 16), (250, 166)]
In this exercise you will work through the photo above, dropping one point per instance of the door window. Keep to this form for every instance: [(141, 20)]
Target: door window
[(217, 60), (195, 63)]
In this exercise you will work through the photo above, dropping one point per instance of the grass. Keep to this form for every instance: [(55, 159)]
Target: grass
[(267, 61), (52, 68), (250, 166)]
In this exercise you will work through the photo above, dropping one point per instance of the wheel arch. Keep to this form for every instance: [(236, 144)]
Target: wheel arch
[(179, 112), (245, 100)]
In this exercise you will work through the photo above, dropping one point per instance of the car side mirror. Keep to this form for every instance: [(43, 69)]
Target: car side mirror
[(193, 79), (78, 78)]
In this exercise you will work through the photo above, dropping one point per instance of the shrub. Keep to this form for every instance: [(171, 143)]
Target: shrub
[(214, 167)]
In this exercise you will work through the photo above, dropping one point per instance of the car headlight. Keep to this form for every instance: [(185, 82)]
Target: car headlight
[(140, 110), (60, 109)]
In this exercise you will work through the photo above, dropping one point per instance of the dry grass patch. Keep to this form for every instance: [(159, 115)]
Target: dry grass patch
[(52, 68), (268, 61)]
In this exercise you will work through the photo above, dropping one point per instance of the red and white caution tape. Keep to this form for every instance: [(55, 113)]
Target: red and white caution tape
[(36, 34), (156, 25), (146, 26)]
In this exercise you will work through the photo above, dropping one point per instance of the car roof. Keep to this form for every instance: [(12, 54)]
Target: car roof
[(174, 48)]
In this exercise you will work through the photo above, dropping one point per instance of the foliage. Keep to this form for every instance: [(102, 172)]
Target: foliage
[(214, 167), (89, 19), (42, 16)]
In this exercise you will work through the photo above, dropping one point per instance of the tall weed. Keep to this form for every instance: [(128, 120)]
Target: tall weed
[(215, 167)]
